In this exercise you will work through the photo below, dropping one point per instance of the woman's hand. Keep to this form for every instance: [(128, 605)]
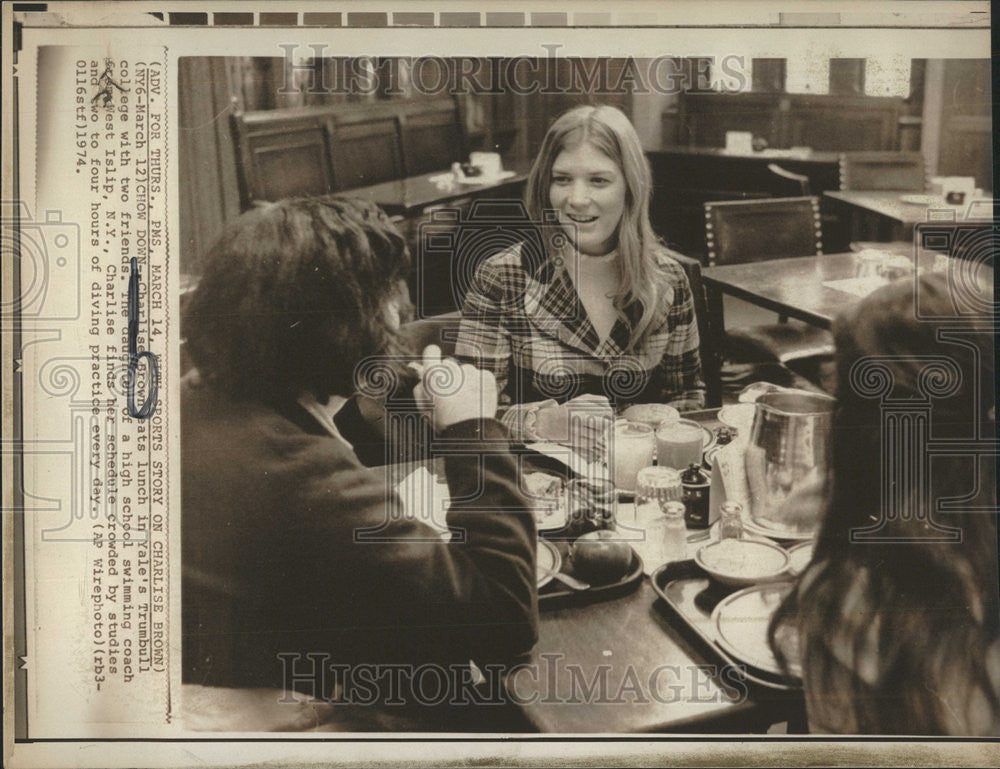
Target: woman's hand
[(584, 423), (449, 392)]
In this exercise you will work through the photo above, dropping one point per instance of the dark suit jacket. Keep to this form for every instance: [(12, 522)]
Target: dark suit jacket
[(273, 564)]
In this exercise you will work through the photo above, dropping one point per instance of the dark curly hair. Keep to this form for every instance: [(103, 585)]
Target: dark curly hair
[(895, 634), (293, 296)]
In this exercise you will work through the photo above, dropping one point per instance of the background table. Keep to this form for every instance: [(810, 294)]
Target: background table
[(793, 287), (413, 195), (881, 215)]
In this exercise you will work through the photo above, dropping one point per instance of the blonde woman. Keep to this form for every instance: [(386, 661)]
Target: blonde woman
[(602, 311)]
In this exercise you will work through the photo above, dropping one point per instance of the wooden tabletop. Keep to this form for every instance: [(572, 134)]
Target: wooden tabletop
[(794, 287), (770, 155), (410, 196), (889, 205), (620, 666)]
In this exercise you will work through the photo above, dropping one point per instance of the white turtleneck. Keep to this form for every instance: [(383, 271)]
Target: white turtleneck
[(596, 281)]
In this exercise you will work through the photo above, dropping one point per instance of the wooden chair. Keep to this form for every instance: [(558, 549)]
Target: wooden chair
[(739, 231), (785, 183), (723, 380), (433, 139), (760, 230), (281, 154), (365, 149), (883, 171)]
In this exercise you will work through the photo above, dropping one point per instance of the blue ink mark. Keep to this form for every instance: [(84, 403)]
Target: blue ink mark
[(134, 356)]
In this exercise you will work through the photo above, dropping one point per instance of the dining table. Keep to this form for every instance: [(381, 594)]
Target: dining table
[(414, 195), (891, 215), (814, 289), (621, 661)]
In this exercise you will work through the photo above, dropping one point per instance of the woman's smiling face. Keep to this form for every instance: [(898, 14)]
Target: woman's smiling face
[(588, 191)]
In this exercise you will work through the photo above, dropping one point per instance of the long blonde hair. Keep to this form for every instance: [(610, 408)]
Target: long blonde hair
[(611, 132)]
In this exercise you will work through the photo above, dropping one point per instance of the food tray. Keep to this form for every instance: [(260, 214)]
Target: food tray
[(556, 595), (689, 597)]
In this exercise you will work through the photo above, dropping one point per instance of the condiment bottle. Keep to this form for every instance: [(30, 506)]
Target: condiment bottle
[(731, 520), (674, 532), (668, 533), (696, 488)]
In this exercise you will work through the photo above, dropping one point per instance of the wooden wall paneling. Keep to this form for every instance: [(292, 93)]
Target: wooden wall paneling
[(867, 123), (208, 185), (195, 146), (229, 186), (705, 118), (433, 139), (883, 171), (967, 148), (365, 151), (291, 161)]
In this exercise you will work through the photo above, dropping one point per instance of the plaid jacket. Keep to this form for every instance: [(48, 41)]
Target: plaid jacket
[(528, 326)]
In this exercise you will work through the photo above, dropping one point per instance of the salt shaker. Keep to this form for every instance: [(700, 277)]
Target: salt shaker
[(731, 520), (668, 533)]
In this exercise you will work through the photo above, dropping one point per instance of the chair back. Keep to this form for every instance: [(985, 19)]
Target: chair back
[(740, 231), (710, 342), (441, 330), (883, 171), (785, 183)]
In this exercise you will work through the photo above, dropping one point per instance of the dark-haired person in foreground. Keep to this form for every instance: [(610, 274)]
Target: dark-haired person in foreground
[(902, 636), (293, 296)]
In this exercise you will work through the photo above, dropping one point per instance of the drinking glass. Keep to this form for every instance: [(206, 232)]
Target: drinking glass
[(679, 445), (655, 486), (634, 446)]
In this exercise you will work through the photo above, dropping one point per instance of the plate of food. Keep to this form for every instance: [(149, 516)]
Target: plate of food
[(739, 562), (652, 414), (740, 622), (547, 495)]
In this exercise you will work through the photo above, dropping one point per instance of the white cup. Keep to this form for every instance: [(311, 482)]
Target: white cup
[(958, 190), (739, 141), (490, 162)]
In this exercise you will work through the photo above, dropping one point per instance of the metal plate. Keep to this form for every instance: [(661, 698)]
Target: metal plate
[(799, 557), (778, 535), (547, 562), (740, 624)]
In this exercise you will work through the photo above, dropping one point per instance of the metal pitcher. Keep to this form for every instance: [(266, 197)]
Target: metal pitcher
[(788, 461)]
